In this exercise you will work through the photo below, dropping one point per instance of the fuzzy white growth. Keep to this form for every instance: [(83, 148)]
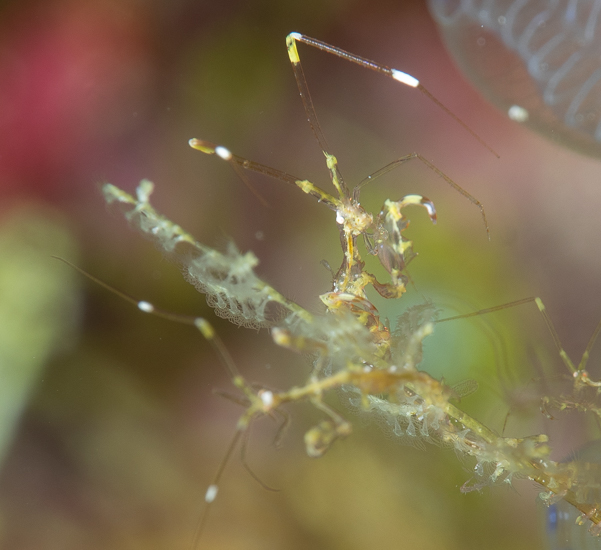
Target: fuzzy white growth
[(228, 279), (146, 307), (411, 416), (346, 339), (223, 152), (231, 285), (405, 78), (211, 493), (143, 216)]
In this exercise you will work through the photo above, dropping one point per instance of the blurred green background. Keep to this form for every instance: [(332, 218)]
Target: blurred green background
[(110, 430)]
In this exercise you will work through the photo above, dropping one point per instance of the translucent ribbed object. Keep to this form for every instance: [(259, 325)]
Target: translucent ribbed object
[(538, 60)]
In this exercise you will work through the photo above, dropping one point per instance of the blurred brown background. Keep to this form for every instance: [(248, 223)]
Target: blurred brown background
[(112, 432)]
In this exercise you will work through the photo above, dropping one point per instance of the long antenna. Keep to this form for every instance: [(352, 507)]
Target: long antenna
[(395, 74)]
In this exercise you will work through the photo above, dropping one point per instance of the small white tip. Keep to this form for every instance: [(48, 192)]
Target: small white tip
[(211, 493), (517, 113), (146, 307), (296, 35), (267, 398), (405, 78), (339, 218), (223, 152), (430, 208)]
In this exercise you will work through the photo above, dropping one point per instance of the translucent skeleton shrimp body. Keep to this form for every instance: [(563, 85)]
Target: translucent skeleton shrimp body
[(350, 346)]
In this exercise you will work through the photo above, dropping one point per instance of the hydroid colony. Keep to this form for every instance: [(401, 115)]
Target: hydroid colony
[(352, 348)]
